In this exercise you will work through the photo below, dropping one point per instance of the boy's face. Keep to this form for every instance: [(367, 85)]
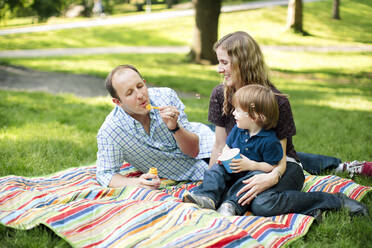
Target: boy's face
[(243, 120)]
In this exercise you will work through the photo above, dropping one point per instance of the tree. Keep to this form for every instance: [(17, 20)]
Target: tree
[(46, 8), (336, 10), (294, 17), (205, 34)]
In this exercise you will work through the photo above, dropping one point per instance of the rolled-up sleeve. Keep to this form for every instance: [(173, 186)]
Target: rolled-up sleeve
[(109, 158)]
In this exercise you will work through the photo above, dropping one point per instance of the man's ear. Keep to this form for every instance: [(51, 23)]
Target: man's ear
[(116, 101)]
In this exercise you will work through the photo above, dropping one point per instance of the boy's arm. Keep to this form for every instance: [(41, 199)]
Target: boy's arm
[(246, 164), (272, 155)]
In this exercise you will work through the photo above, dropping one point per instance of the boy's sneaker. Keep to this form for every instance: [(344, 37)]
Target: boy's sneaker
[(356, 167), (227, 209), (201, 201)]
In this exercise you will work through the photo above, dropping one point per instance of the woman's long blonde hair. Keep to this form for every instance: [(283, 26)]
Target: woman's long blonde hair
[(247, 64)]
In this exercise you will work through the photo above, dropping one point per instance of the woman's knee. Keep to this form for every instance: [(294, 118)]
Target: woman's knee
[(264, 205)]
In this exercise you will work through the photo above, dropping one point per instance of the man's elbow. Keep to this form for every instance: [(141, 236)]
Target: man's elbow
[(195, 152)]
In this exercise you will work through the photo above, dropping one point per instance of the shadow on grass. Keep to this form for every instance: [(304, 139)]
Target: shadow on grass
[(39, 236)]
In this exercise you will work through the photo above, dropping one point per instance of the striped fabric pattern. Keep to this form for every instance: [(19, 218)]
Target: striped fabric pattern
[(85, 214)]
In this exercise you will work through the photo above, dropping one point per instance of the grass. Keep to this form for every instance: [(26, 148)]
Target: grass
[(323, 30), (330, 94)]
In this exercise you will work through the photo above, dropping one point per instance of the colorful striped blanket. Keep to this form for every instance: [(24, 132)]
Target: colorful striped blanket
[(78, 209)]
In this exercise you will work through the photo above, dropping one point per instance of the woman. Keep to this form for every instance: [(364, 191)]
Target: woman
[(241, 62)]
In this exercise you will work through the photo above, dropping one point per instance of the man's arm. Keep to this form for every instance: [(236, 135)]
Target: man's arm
[(118, 181), (187, 141)]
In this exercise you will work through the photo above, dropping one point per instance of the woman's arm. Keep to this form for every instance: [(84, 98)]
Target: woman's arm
[(219, 144), (261, 182)]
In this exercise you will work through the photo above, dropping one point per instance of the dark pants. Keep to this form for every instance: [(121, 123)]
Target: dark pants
[(220, 185), (284, 197), (315, 163)]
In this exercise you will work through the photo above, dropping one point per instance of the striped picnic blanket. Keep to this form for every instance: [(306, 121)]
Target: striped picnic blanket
[(78, 209)]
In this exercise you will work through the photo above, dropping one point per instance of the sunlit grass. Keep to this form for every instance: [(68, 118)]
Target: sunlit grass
[(330, 95), (347, 62), (352, 29)]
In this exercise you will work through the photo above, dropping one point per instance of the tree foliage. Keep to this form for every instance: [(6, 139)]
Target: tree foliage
[(46, 8)]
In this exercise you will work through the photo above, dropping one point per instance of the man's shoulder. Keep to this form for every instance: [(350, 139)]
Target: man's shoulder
[(160, 91), (112, 122)]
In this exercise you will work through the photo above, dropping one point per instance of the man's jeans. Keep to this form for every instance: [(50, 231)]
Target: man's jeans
[(284, 197), (315, 163)]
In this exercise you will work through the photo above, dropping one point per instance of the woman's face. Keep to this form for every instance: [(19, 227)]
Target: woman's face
[(224, 66)]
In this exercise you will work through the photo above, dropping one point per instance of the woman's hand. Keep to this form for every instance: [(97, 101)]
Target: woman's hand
[(242, 164), (256, 185)]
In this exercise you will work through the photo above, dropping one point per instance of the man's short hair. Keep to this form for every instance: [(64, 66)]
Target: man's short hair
[(108, 82)]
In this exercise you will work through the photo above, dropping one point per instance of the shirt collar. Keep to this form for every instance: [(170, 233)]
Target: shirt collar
[(261, 133)]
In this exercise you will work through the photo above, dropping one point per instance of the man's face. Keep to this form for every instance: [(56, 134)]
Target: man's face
[(132, 92)]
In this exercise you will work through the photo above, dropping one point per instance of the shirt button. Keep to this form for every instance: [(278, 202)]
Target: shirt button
[(246, 140), (246, 133), (246, 149)]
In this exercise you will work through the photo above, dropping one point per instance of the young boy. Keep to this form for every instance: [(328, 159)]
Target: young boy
[(256, 113)]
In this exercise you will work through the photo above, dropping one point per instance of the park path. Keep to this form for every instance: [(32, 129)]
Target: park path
[(141, 17), (153, 49), (20, 78)]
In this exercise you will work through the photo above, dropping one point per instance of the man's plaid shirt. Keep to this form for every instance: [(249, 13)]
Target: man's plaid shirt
[(123, 139)]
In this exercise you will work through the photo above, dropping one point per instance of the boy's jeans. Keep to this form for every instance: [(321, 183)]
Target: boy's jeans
[(284, 197)]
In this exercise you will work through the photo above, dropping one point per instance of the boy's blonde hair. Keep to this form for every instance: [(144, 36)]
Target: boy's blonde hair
[(258, 99)]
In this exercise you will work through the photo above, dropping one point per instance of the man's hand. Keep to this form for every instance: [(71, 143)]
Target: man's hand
[(169, 114), (149, 181), (119, 181)]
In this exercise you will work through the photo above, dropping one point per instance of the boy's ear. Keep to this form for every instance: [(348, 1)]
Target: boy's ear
[(262, 118), (116, 101)]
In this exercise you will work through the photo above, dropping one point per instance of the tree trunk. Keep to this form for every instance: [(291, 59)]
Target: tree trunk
[(205, 34), (294, 17), (336, 9)]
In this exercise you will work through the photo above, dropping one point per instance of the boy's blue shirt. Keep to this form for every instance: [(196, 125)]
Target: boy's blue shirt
[(262, 147)]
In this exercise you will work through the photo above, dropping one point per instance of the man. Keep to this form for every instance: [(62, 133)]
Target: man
[(161, 138)]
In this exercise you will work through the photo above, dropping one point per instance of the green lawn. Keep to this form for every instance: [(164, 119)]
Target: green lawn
[(330, 94), (352, 29)]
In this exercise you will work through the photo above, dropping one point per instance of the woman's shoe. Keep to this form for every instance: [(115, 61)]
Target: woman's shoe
[(354, 207)]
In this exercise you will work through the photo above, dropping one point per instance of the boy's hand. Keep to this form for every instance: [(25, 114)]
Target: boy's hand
[(242, 164)]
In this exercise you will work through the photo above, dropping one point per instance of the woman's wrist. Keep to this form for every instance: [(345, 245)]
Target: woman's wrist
[(278, 175)]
